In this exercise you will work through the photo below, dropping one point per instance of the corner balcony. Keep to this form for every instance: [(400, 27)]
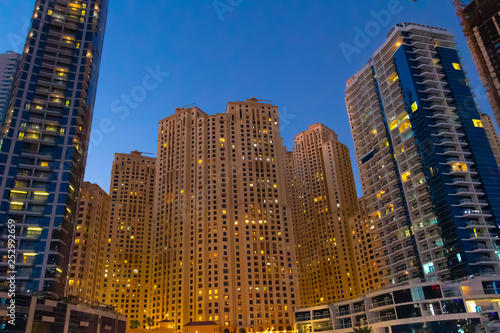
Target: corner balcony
[(485, 260)]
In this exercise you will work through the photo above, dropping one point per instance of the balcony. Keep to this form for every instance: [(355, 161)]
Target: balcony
[(383, 318), (382, 303)]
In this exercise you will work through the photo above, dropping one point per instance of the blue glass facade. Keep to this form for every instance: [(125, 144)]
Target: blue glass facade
[(437, 146), (44, 144)]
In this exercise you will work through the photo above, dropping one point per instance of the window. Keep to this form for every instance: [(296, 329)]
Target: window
[(477, 123), (414, 107), (456, 66)]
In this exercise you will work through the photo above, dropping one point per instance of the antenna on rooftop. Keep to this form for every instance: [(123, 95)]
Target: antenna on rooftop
[(260, 100), (141, 152)]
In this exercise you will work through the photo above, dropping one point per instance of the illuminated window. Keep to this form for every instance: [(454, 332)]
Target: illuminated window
[(374, 132), (428, 268), (459, 167), (404, 126), (200, 161), (477, 123), (34, 232), (414, 107), (405, 176), (456, 66), (394, 77), (393, 125), (49, 12)]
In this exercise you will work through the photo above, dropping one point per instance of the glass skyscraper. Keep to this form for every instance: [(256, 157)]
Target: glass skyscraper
[(480, 19), (8, 67), (429, 176), (45, 139)]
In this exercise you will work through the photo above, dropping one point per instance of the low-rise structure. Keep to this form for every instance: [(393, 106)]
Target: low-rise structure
[(37, 314), (414, 306)]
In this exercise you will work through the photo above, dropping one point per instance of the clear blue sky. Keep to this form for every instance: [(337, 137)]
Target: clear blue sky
[(286, 51)]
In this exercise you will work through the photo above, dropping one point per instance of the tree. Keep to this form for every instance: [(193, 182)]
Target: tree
[(134, 324), (149, 321), (365, 329)]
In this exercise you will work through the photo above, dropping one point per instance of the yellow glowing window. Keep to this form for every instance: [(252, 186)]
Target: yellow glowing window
[(393, 125), (49, 12), (414, 107), (394, 77), (21, 135), (456, 66), (404, 126), (222, 140), (459, 167), (374, 132), (200, 161), (477, 123), (405, 176)]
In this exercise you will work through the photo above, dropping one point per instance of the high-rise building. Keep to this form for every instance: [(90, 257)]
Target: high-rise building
[(363, 249), (129, 246), (224, 247), (492, 135), (86, 275), (323, 197), (45, 139), (8, 68), (430, 180), (480, 20)]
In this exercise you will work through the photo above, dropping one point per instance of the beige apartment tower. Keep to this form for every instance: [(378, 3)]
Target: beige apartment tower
[(86, 277), (129, 247), (363, 247), (324, 196), (224, 247)]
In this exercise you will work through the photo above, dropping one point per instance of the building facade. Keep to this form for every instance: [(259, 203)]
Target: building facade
[(430, 179), (8, 68), (45, 139), (38, 314), (323, 197), (86, 275), (129, 245), (363, 249), (492, 135), (468, 305), (481, 22), (224, 248)]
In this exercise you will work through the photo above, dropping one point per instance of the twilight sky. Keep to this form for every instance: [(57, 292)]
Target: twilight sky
[(285, 51)]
